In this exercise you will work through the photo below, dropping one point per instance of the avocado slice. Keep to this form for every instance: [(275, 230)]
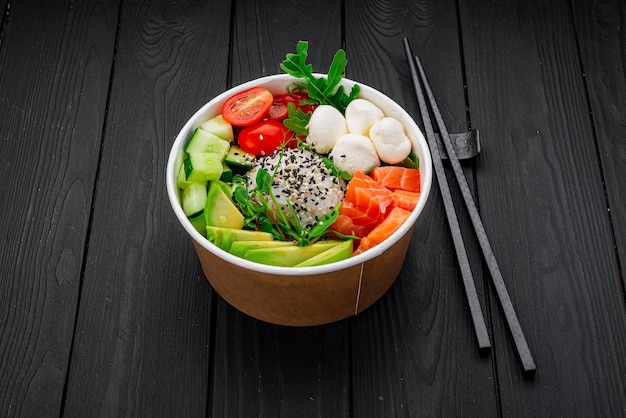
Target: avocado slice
[(213, 234), (220, 210), (287, 256), (225, 237), (341, 251), (239, 248)]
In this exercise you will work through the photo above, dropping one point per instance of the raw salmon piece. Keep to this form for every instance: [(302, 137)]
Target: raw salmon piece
[(374, 205), (405, 199), (392, 222), (358, 216), (360, 180), (397, 178), (346, 226)]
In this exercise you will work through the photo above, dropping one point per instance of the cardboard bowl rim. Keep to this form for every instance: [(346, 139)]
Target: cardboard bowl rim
[(203, 113)]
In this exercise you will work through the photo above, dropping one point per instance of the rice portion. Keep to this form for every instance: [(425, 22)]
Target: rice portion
[(303, 180)]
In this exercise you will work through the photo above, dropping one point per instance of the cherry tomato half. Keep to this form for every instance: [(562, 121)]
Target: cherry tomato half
[(279, 109), (265, 137), (247, 107)]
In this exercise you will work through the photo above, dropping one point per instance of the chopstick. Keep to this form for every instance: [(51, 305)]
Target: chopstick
[(521, 345), (480, 328)]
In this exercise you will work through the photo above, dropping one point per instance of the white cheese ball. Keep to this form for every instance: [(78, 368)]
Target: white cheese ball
[(392, 144), (361, 114), (354, 152), (326, 126)]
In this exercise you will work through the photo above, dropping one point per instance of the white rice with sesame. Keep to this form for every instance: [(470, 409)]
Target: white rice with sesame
[(303, 180)]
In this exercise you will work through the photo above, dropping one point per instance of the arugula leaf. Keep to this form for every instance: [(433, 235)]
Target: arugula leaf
[(323, 90), (297, 120), (412, 161)]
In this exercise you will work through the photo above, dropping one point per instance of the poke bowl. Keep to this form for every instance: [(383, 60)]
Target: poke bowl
[(307, 294)]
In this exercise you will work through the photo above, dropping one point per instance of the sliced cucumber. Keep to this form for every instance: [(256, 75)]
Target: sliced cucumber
[(194, 199), (202, 166), (218, 126), (199, 223), (181, 179), (238, 158), (227, 173), (203, 141)]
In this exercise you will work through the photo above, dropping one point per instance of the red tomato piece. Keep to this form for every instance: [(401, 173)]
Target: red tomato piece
[(279, 110), (247, 107), (301, 96), (265, 137)]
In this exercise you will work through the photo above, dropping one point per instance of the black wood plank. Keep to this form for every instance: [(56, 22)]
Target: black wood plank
[(603, 51), (143, 342), (265, 31), (419, 354), (542, 199), (55, 60), (270, 370), (263, 369)]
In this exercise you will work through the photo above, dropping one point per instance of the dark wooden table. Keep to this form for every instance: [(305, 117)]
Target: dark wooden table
[(104, 310)]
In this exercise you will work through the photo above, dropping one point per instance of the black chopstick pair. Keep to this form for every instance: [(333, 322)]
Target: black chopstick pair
[(484, 344)]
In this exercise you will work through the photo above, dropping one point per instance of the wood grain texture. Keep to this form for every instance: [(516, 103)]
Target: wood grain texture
[(105, 311), (265, 31), (143, 336), (603, 59), (270, 370), (263, 369), (541, 195), (54, 73), (416, 348)]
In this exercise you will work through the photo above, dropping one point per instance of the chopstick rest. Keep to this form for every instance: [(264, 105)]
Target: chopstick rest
[(480, 328), (521, 345), (466, 145)]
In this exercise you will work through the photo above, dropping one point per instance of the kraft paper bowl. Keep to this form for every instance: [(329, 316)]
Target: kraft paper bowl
[(302, 296)]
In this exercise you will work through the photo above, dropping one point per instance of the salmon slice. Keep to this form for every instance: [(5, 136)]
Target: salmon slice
[(358, 216), (361, 180), (345, 225), (392, 222), (397, 178), (375, 203), (405, 199), (376, 206)]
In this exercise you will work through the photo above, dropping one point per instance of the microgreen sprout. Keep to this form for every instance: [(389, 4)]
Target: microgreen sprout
[(262, 211)]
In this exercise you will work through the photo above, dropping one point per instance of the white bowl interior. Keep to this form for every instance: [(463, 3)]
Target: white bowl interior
[(276, 84)]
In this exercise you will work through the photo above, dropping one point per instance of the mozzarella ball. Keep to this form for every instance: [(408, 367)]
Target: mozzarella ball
[(392, 144), (354, 152), (326, 125), (361, 114)]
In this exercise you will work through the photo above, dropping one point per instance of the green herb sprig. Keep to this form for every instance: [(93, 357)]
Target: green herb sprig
[(262, 215), (322, 90), (297, 120)]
